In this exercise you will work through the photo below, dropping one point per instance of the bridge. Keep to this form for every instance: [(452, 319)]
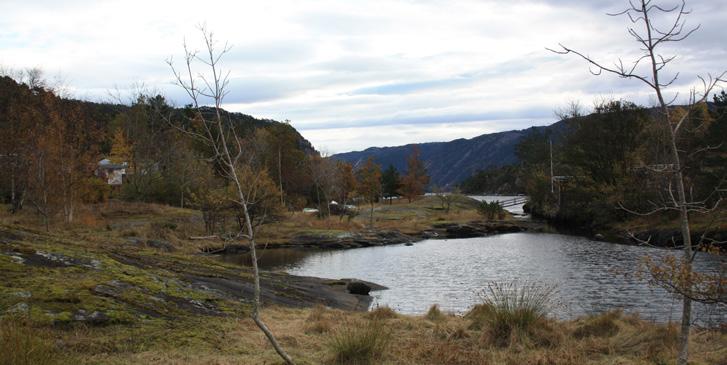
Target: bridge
[(512, 202)]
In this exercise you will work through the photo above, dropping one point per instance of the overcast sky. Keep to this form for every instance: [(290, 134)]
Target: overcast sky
[(351, 74)]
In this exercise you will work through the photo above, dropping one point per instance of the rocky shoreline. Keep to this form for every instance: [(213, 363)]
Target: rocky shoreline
[(371, 238), (61, 281)]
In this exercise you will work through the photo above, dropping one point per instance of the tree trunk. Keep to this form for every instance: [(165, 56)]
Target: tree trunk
[(318, 198), (371, 216), (687, 238), (328, 204), (684, 225), (256, 275), (253, 251), (684, 332)]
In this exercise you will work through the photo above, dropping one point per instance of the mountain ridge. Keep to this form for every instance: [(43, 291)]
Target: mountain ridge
[(448, 163)]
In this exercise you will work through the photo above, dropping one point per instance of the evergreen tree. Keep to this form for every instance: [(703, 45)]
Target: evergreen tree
[(390, 182)]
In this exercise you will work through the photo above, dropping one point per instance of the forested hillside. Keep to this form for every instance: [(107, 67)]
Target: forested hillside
[(615, 163), (50, 148)]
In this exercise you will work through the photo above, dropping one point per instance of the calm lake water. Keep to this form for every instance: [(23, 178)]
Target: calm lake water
[(590, 276)]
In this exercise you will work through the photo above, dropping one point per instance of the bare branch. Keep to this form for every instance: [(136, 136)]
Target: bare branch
[(621, 73)]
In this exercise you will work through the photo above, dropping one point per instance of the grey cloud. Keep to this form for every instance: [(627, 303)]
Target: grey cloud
[(410, 87), (452, 118), (256, 89), (503, 69)]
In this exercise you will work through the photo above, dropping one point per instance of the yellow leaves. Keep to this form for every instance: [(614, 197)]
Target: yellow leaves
[(676, 275), (416, 178), (677, 114), (120, 148), (370, 180)]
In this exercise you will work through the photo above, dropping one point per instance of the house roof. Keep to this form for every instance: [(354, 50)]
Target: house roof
[(108, 165)]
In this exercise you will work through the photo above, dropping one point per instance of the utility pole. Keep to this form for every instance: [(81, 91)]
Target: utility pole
[(552, 178)]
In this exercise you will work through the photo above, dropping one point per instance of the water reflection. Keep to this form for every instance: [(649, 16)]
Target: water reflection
[(591, 276), (275, 259)]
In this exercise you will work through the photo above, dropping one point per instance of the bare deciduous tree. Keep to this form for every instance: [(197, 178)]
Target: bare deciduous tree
[(573, 109), (323, 172), (369, 185), (210, 127), (647, 68)]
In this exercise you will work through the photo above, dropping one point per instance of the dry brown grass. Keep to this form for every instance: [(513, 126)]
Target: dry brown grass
[(411, 218), (319, 321), (298, 223), (420, 214), (381, 313), (22, 344), (125, 221), (307, 335), (604, 325)]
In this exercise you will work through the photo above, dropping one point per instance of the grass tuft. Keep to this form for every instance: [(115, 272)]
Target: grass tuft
[(360, 344), (381, 313), (512, 313), (434, 313)]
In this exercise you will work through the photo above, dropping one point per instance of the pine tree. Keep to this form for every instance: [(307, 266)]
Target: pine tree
[(390, 182)]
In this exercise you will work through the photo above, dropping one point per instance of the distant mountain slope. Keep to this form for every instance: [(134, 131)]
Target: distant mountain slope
[(448, 163)]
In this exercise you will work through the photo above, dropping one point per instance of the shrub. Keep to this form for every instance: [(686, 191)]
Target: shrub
[(511, 312), (21, 344), (95, 190), (356, 344), (491, 210)]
